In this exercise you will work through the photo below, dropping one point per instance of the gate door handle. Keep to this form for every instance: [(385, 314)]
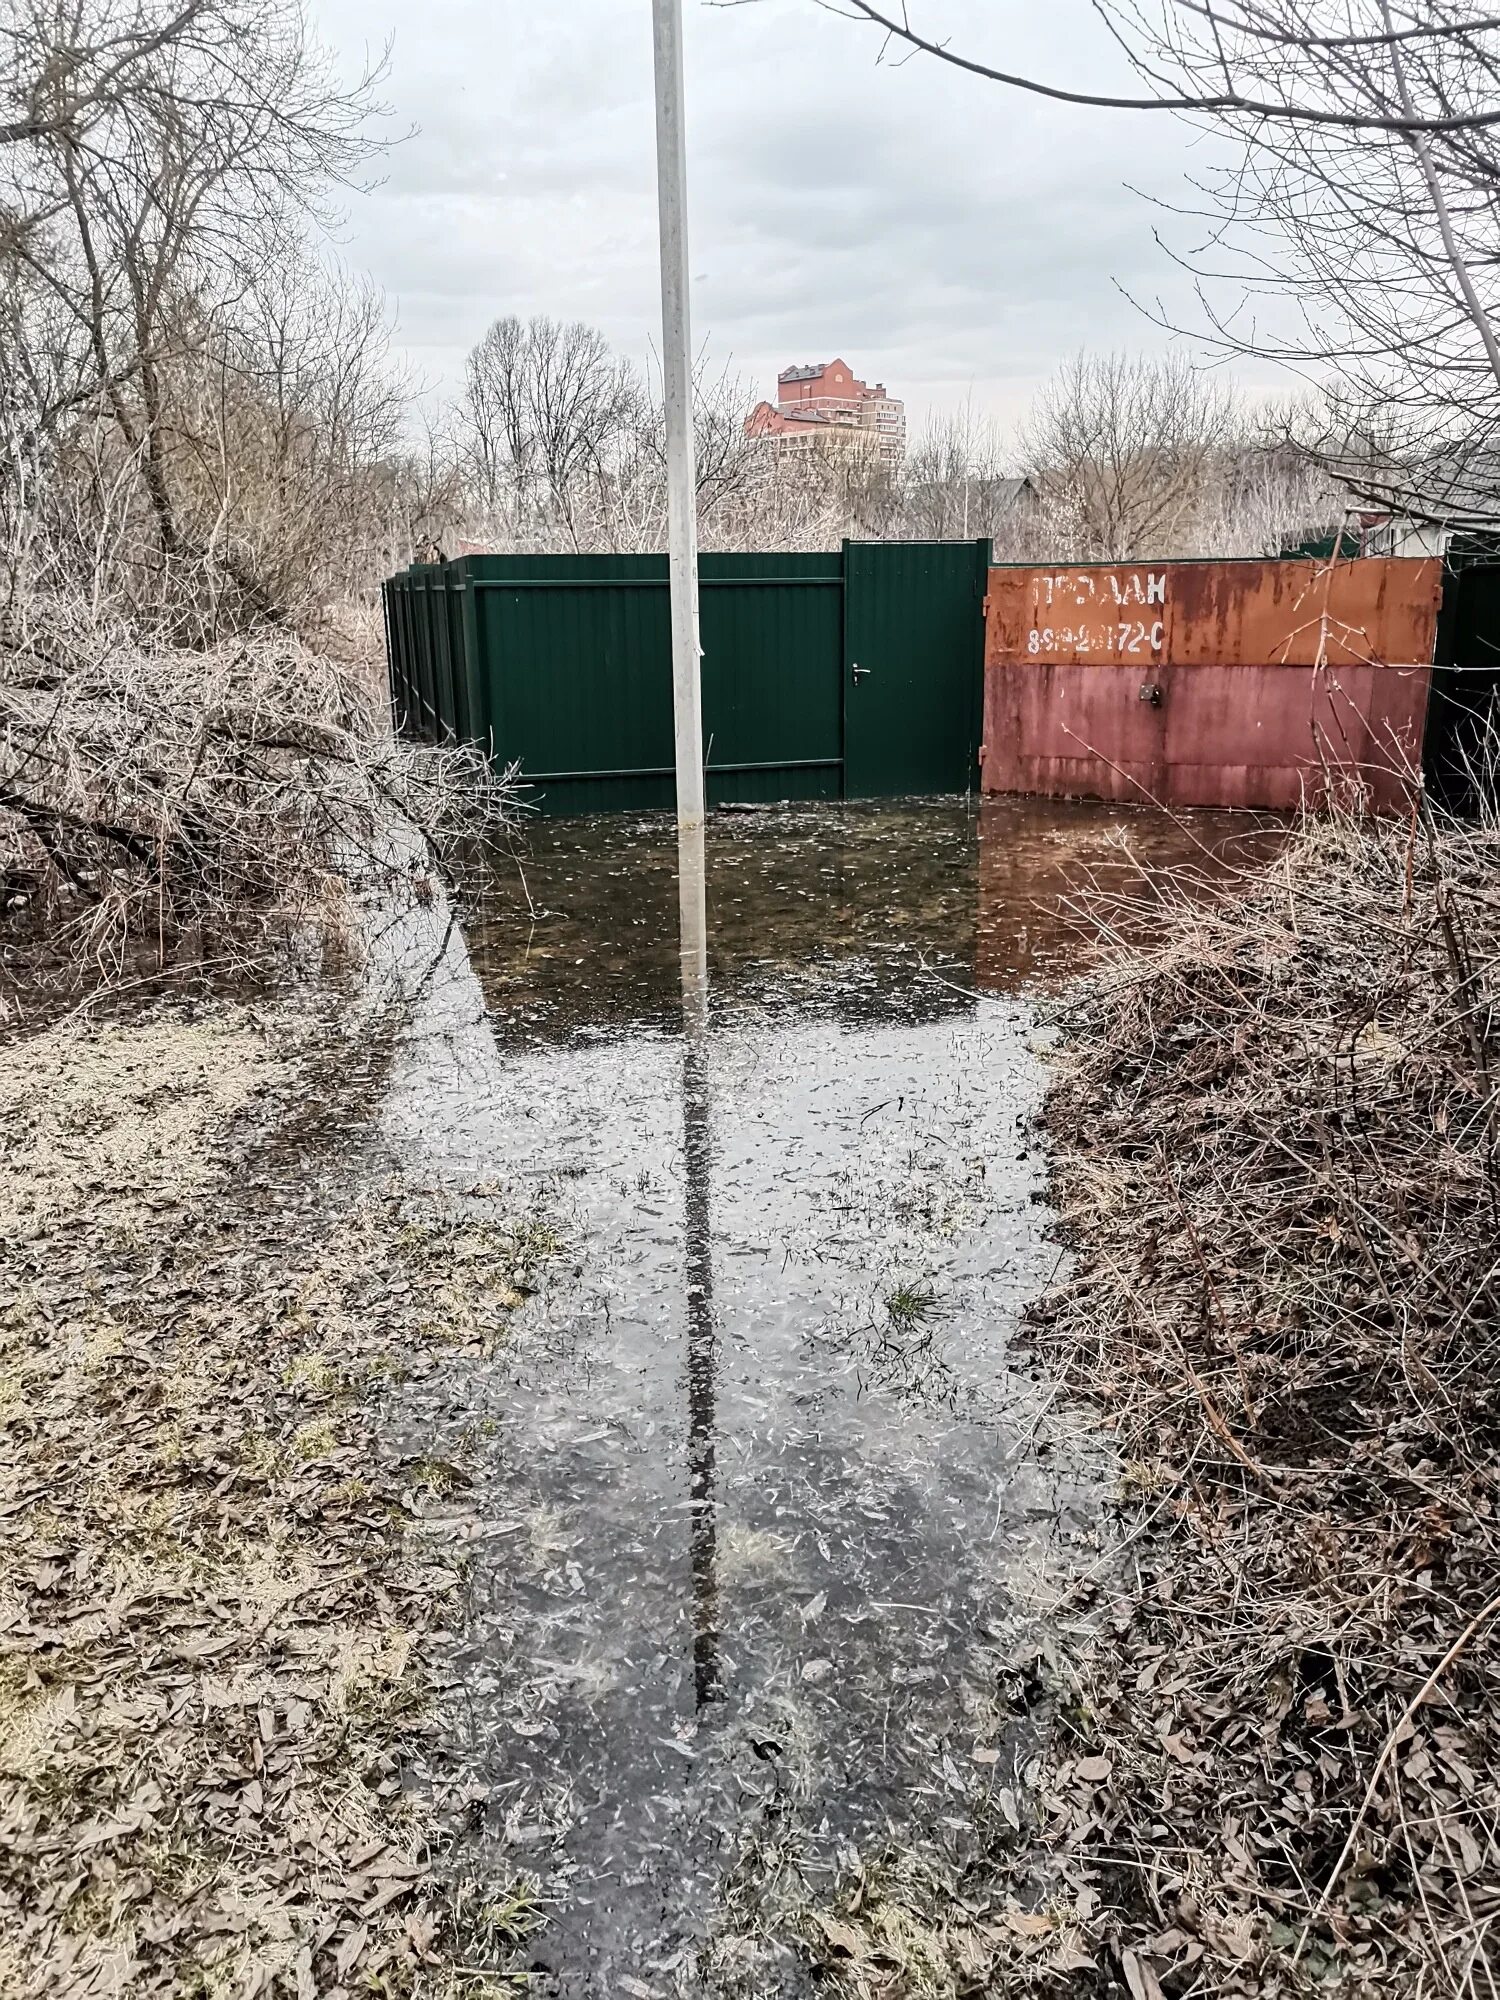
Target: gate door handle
[(857, 672)]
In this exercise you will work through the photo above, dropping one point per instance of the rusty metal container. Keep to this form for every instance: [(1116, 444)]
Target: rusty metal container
[(1208, 683)]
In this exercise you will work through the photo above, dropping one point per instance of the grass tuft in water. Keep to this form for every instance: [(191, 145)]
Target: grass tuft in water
[(911, 1307)]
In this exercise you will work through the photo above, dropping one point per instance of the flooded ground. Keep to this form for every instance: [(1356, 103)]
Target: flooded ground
[(773, 1528)]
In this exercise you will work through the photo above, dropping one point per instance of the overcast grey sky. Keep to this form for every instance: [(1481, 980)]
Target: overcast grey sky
[(944, 235)]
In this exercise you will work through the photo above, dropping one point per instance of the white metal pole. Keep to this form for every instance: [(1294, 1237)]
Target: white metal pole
[(676, 362)]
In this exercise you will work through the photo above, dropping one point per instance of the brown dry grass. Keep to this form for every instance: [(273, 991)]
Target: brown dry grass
[(1275, 1145)]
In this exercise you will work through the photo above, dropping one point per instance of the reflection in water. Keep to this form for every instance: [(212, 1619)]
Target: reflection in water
[(988, 898), (697, 1165), (692, 924), (771, 1522)]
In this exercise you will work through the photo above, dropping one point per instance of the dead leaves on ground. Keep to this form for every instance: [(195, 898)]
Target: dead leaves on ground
[(1273, 1155), (217, 1594)]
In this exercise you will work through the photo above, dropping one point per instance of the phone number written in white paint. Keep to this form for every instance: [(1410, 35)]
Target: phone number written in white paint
[(1130, 636)]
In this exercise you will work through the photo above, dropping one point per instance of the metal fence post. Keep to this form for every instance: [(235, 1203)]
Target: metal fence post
[(677, 388)]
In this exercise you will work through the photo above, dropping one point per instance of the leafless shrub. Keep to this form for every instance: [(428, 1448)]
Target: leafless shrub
[(211, 808)]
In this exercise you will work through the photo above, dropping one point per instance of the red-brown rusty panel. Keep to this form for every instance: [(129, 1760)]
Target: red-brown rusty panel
[(1377, 610), (1218, 735), (1233, 683)]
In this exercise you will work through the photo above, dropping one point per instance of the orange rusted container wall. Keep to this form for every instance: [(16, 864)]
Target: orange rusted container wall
[(1212, 683)]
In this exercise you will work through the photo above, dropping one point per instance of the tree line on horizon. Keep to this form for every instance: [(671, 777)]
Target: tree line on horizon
[(556, 442)]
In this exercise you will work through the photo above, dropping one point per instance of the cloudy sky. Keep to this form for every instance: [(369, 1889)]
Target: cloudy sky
[(946, 236)]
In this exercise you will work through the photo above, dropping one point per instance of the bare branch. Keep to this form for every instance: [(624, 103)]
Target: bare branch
[(1229, 101)]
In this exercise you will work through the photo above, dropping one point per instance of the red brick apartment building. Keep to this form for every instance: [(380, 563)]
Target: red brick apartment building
[(825, 407)]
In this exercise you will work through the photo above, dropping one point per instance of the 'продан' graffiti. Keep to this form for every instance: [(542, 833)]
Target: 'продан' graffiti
[(1096, 591)]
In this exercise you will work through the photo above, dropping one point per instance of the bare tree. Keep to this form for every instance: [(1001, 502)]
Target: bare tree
[(1370, 260), (1269, 495), (1124, 450), (202, 460), (961, 478), (1122, 455), (160, 158), (279, 422), (1149, 455), (423, 494), (562, 443), (545, 409), (580, 398), (492, 426), (1357, 236)]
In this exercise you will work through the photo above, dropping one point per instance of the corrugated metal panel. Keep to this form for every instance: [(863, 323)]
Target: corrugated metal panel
[(1261, 678), (400, 668), (1226, 736), (772, 635), (1378, 610), (424, 653), (396, 655), (577, 673), (420, 721), (401, 673), (435, 606), (579, 677), (459, 720), (397, 695), (418, 708)]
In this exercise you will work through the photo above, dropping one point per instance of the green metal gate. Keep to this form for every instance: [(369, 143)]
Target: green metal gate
[(1463, 709), (850, 674), (914, 695)]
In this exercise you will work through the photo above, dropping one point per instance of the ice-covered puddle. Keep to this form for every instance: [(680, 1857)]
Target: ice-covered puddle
[(770, 1517)]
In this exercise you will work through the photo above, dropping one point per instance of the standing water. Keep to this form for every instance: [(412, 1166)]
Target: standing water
[(771, 1520)]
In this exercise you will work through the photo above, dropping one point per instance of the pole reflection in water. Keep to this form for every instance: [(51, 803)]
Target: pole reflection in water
[(693, 1681), (702, 1338)]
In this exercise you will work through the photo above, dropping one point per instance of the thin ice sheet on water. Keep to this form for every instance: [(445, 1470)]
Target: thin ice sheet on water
[(768, 1513)]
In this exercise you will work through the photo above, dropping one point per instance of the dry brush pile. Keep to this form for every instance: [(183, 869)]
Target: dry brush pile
[(1272, 1772), (1276, 1147), (169, 807)]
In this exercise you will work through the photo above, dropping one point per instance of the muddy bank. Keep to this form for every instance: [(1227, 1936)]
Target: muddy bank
[(219, 1593)]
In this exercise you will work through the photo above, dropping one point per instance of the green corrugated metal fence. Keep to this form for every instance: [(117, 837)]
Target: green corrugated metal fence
[(851, 674)]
